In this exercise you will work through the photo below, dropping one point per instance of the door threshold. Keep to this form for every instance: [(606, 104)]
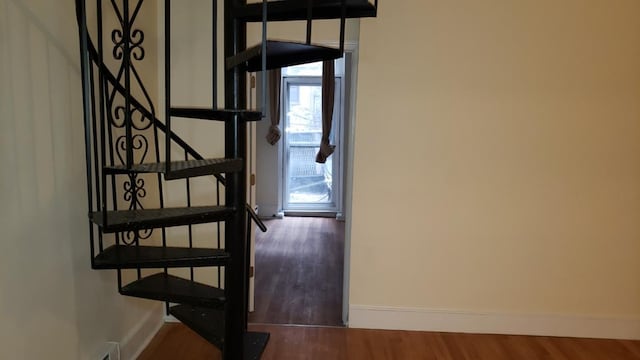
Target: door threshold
[(302, 213)]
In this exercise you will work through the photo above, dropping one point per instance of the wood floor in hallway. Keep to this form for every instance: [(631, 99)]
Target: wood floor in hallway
[(299, 269)]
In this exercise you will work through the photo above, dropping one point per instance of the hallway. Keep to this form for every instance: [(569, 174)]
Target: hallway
[(299, 269)]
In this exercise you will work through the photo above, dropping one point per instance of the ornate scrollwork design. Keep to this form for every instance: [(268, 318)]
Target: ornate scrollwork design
[(128, 36), (128, 49), (135, 44), (139, 121), (135, 37), (138, 142), (118, 41), (131, 237), (118, 117), (133, 191)]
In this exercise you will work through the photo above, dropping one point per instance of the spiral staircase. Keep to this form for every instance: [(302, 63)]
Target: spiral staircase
[(134, 161)]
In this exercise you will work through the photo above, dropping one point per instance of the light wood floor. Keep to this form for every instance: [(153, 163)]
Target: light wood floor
[(299, 269), (175, 341), (281, 298)]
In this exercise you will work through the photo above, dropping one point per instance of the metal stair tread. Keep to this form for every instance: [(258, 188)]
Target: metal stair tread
[(254, 345), (165, 287), (288, 10), (182, 169), (209, 323), (131, 257), (214, 114), (126, 220), (282, 54)]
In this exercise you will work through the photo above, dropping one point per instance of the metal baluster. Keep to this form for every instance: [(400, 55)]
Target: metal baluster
[(218, 231), (188, 181), (264, 57), (343, 21), (309, 20), (96, 165), (214, 41), (85, 67), (235, 140), (101, 187), (126, 63), (167, 82)]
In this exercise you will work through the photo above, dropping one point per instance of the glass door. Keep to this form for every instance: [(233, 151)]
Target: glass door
[(309, 186)]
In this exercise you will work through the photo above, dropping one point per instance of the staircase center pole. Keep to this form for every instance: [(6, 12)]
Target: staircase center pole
[(235, 192)]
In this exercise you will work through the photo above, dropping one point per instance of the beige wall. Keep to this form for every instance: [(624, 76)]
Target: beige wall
[(191, 86), (497, 157), (191, 76), (54, 305)]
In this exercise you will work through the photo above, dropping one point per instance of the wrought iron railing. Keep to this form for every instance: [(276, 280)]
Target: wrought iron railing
[(122, 131)]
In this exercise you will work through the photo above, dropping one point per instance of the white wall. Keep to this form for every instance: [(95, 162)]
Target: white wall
[(497, 165), (268, 171), (54, 305)]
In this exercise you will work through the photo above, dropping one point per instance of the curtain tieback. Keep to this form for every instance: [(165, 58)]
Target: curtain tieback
[(273, 135), (326, 150)]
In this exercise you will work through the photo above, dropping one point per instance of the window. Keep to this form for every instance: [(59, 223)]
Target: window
[(309, 186)]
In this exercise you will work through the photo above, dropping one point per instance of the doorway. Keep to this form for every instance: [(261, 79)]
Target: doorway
[(301, 271), (310, 187)]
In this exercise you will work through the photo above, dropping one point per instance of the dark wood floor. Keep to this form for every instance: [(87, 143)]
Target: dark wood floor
[(299, 269), (175, 341)]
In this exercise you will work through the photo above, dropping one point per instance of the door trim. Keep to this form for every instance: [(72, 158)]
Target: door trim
[(336, 158)]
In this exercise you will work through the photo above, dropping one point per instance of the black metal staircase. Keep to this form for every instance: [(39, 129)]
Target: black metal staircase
[(130, 155)]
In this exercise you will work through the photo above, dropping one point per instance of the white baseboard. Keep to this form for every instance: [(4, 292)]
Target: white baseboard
[(392, 318), (139, 337), (170, 319)]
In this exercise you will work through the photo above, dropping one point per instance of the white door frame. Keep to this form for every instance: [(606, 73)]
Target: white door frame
[(349, 122), (337, 161), (350, 86)]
